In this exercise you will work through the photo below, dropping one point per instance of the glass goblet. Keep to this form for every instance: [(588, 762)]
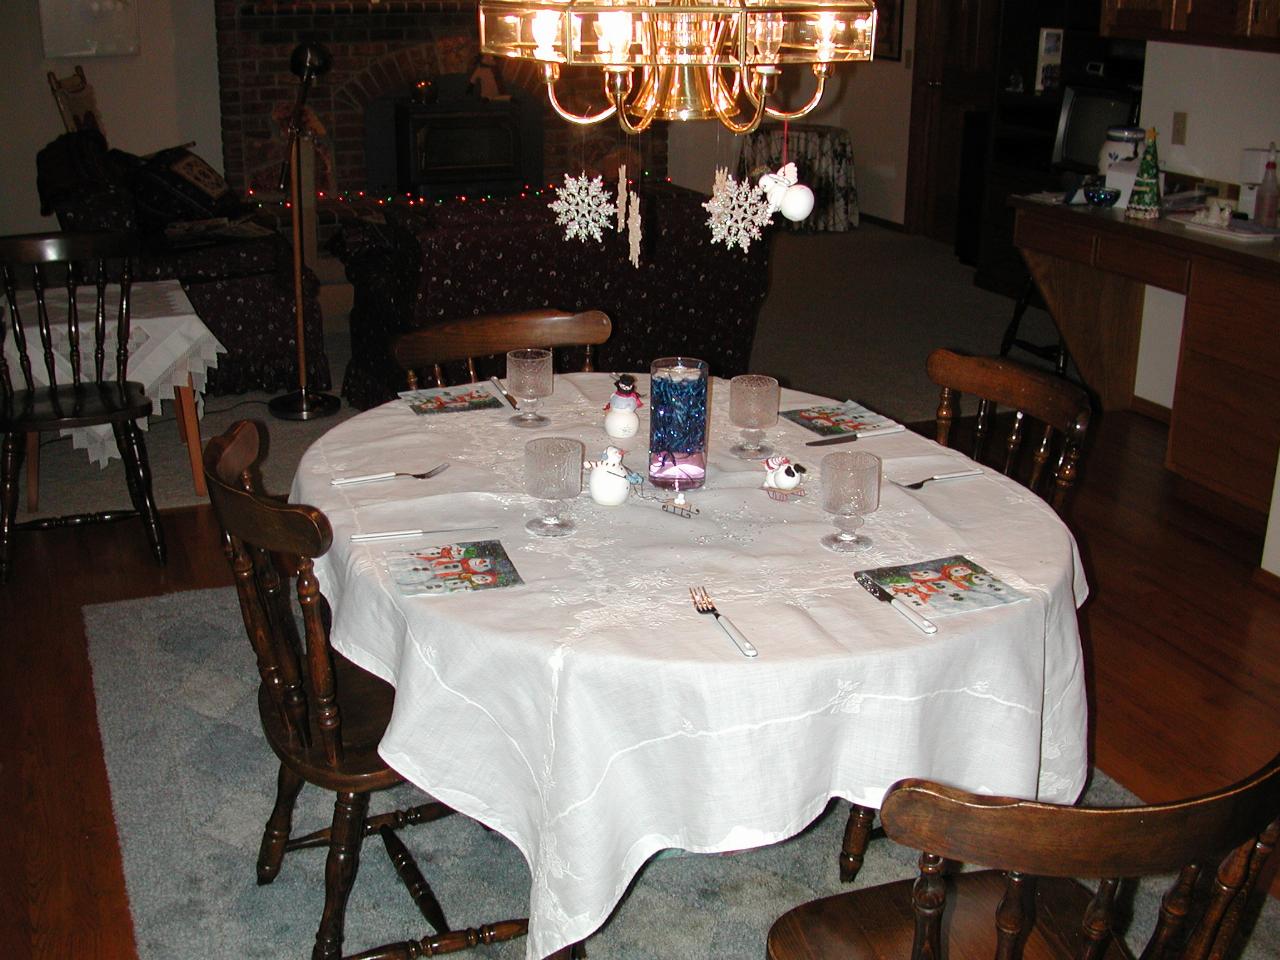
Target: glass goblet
[(529, 379), (753, 408), (850, 490), (552, 473)]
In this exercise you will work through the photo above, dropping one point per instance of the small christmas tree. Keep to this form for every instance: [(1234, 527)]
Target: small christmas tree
[(1144, 198)]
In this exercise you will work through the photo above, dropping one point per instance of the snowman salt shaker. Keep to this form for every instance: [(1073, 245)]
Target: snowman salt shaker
[(621, 421), (609, 482)]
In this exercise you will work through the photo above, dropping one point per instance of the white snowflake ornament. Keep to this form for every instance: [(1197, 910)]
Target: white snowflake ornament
[(633, 231), (739, 211), (583, 208)]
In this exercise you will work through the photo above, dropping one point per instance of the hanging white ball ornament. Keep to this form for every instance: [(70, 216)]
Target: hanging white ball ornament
[(797, 202)]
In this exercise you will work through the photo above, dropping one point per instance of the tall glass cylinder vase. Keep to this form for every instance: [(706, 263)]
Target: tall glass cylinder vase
[(678, 423)]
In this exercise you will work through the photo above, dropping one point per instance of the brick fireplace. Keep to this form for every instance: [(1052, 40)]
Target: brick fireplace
[(381, 50)]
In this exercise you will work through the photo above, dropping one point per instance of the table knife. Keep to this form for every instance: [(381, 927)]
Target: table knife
[(503, 390), (850, 437), (880, 593), (405, 534)]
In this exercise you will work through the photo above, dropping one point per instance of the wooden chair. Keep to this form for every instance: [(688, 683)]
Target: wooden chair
[(1062, 410), (99, 391), (75, 100), (1028, 907), (473, 337), (322, 715)]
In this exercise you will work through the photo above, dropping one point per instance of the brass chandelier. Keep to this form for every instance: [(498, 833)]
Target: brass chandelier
[(681, 60)]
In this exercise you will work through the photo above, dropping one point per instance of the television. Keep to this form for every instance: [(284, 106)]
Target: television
[(1087, 113)]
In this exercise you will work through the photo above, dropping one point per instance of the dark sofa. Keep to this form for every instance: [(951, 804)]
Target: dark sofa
[(462, 258), (240, 286)]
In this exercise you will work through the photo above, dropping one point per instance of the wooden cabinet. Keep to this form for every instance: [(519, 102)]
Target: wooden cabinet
[(1091, 266), (1250, 24)]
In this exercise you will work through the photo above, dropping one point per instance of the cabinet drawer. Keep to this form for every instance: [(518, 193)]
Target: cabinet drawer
[(1146, 262), (1224, 434), (1068, 241), (1232, 315)]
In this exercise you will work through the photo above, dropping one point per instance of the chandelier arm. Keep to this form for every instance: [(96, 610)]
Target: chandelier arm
[(550, 74), (758, 100), (617, 88), (808, 107)]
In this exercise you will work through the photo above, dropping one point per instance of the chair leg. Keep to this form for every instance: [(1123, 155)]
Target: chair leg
[(10, 465), (409, 874), (857, 834), (276, 835), (349, 811), (137, 472), (33, 472)]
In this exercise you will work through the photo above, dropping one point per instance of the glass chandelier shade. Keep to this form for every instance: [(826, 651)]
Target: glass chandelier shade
[(693, 60)]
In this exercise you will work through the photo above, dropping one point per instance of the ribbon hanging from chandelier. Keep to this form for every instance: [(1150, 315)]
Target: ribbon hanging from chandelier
[(680, 60)]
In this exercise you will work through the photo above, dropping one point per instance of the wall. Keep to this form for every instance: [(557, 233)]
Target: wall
[(165, 95), (871, 100)]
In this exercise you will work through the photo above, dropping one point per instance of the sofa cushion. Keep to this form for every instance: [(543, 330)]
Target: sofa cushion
[(78, 182), (175, 185)]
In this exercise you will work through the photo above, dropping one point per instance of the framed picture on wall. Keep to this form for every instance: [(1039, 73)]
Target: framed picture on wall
[(889, 30), (1049, 60), (89, 28)]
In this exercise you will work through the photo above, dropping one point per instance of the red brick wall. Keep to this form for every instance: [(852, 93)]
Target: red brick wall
[(378, 48)]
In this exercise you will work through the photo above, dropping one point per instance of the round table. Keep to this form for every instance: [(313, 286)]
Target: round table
[(594, 718)]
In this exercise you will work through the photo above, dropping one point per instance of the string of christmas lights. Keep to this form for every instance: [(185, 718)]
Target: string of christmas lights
[(360, 196)]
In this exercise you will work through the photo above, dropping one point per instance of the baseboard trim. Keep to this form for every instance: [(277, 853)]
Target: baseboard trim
[(1268, 582), (1151, 409), (881, 222)]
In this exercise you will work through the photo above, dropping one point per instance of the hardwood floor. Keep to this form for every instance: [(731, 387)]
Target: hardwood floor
[(1181, 644)]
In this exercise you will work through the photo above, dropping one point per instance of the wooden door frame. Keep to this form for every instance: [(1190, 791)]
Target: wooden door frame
[(926, 87)]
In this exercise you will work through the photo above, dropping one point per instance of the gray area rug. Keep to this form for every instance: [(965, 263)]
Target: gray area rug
[(192, 782)]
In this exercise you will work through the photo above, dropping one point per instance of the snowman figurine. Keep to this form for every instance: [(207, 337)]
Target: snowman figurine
[(622, 421), (783, 476), (609, 482), (786, 194)]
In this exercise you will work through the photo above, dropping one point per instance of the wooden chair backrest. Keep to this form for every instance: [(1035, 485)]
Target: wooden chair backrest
[(76, 103), (266, 541), (495, 333), (42, 260), (1232, 831), (1061, 407)]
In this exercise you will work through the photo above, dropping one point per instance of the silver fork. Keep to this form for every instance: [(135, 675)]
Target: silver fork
[(953, 475), (702, 603), (389, 475)]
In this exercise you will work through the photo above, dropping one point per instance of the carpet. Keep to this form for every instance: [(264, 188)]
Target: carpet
[(192, 782)]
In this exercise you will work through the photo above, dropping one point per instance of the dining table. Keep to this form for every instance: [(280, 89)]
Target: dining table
[(588, 712), (170, 353)]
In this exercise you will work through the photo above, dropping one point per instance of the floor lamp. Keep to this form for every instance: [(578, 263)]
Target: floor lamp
[(307, 62)]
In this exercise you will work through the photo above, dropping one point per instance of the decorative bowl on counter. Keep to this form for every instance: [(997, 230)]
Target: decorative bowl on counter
[(1101, 196)]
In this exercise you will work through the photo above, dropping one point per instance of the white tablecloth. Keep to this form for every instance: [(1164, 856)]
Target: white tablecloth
[(591, 716), (168, 343)]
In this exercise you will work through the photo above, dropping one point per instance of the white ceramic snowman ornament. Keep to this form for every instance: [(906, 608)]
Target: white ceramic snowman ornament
[(621, 421), (609, 482), (786, 194), (782, 477)]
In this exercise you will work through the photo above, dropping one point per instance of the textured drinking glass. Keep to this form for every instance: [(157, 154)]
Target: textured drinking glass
[(850, 490), (552, 473), (753, 408), (678, 423), (529, 379)]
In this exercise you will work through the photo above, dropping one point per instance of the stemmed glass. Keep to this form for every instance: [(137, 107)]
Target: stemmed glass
[(552, 473), (753, 407), (850, 490), (529, 379)]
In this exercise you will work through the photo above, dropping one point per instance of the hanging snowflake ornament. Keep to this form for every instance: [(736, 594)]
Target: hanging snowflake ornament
[(739, 211), (633, 233), (622, 197), (582, 207)]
